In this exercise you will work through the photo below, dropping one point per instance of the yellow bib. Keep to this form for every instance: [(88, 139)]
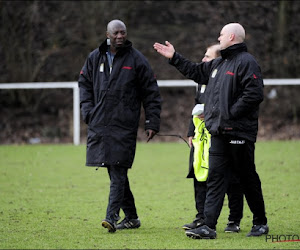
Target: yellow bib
[(201, 143)]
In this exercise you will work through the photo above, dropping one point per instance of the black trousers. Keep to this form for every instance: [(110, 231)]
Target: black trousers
[(120, 195), (225, 156), (235, 199)]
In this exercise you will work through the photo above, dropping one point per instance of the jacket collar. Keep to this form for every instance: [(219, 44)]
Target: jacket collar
[(103, 47), (232, 50)]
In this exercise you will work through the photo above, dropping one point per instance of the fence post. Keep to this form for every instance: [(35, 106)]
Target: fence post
[(76, 115)]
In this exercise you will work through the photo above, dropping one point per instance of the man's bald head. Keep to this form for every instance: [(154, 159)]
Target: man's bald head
[(231, 33), (115, 24), (237, 30), (117, 34)]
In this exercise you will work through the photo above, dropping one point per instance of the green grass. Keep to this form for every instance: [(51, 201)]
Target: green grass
[(50, 200)]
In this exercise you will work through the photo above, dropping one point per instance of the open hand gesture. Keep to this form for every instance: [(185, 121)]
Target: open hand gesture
[(165, 50)]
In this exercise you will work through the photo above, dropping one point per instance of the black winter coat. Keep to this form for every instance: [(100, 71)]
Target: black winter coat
[(233, 93), (111, 104)]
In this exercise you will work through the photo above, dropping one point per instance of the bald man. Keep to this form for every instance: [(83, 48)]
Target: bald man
[(234, 192), (115, 81), (233, 94)]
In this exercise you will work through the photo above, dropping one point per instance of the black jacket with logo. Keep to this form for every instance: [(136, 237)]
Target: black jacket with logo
[(111, 104), (233, 93)]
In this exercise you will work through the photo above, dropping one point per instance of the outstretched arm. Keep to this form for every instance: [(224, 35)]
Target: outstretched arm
[(198, 72), (165, 50)]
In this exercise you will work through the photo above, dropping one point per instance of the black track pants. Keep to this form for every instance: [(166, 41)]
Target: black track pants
[(225, 156), (120, 195)]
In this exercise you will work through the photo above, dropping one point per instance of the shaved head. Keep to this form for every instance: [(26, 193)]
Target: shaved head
[(231, 33), (115, 24), (237, 30), (117, 34)]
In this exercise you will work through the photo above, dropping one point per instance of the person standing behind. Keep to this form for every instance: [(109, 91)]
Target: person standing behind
[(116, 79), (234, 192), (233, 94)]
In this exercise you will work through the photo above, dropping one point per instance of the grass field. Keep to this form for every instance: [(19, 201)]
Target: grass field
[(50, 200)]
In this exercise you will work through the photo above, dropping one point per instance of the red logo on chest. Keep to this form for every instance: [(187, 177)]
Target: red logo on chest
[(126, 67), (229, 73)]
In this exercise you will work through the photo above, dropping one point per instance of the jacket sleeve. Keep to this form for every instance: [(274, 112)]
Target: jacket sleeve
[(191, 131), (86, 90), (252, 88), (150, 95), (199, 72)]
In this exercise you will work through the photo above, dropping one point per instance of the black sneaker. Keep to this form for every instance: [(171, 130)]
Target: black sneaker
[(110, 226), (196, 223), (129, 224), (203, 232), (258, 230), (232, 227)]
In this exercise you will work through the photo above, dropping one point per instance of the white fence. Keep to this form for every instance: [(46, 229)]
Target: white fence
[(76, 106)]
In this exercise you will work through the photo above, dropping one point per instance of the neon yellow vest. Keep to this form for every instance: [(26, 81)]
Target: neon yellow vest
[(201, 143)]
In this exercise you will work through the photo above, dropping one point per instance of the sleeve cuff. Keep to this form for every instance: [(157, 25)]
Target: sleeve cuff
[(175, 59)]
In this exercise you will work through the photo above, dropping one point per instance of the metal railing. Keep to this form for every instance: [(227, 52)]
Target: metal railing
[(76, 101)]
